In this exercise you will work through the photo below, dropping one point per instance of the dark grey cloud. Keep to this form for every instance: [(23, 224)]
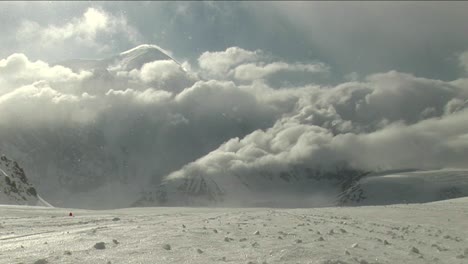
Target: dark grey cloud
[(415, 37)]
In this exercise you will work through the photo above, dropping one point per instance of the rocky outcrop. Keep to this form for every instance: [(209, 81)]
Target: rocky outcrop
[(14, 185)]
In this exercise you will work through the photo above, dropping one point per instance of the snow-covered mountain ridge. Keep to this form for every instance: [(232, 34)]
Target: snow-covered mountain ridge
[(136, 57), (309, 188), (297, 187), (407, 187), (128, 60)]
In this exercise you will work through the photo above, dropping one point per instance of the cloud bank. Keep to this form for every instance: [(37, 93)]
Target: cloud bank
[(223, 127), (243, 65), (88, 126), (140, 132), (391, 121)]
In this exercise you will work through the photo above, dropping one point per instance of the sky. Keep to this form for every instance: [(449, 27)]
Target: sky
[(352, 37), (255, 88)]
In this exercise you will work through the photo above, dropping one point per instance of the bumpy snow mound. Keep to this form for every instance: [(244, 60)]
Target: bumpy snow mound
[(15, 187), (297, 187), (407, 187), (409, 234)]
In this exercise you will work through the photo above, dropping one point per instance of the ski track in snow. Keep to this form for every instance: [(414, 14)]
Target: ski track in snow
[(415, 233)]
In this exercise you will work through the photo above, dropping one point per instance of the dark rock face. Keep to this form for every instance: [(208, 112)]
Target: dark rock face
[(354, 194), (14, 185)]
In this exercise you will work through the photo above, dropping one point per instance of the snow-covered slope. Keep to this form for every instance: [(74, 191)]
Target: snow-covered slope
[(309, 188), (407, 187), (297, 187), (411, 234), (15, 187)]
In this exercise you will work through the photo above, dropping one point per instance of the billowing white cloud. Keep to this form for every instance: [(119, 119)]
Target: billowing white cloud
[(218, 64), (148, 96), (159, 70), (164, 74), (431, 143), (38, 105), (132, 127), (128, 119), (291, 148), (17, 70), (306, 136), (242, 65), (391, 121)]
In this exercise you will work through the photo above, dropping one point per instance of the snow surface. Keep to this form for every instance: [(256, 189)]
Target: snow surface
[(416, 233)]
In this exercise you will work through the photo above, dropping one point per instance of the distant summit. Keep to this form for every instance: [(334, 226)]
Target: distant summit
[(128, 60), (135, 58), (143, 48), (162, 71)]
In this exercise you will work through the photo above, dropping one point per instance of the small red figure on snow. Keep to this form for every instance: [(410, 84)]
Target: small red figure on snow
[(70, 214)]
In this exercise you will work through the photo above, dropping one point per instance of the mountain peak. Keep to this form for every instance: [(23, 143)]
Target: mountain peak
[(133, 58), (145, 48), (136, 57)]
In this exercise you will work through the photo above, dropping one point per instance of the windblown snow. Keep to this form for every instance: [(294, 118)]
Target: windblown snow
[(417, 233)]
